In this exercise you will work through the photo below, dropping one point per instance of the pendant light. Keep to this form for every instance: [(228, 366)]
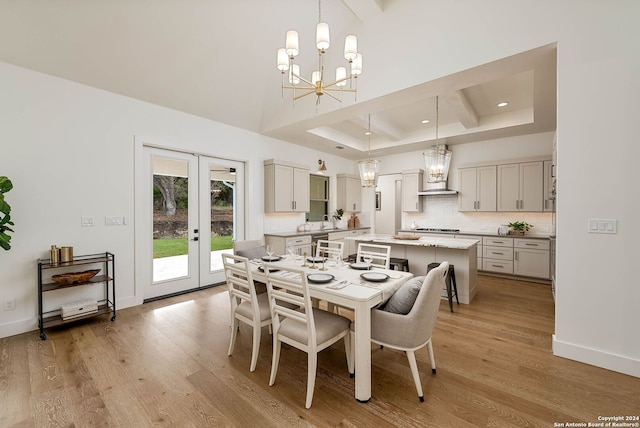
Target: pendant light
[(437, 158), (369, 169)]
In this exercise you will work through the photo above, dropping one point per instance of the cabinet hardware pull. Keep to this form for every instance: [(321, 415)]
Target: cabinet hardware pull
[(530, 244), (498, 266)]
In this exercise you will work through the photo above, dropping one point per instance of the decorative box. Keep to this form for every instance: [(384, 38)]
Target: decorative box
[(79, 308)]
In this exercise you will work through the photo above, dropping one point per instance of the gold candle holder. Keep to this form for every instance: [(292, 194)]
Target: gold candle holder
[(66, 254), (324, 257), (304, 259)]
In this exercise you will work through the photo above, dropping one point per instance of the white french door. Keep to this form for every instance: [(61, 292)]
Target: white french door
[(192, 211)]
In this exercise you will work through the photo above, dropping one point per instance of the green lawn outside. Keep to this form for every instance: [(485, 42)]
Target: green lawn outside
[(178, 246)]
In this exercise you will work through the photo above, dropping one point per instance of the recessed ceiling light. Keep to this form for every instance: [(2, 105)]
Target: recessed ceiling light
[(503, 104), (425, 121), (368, 133), (339, 147)]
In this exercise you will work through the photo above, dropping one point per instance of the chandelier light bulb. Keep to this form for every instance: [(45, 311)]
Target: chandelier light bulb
[(322, 36), (315, 77), (283, 60), (356, 65), (291, 44), (350, 47)]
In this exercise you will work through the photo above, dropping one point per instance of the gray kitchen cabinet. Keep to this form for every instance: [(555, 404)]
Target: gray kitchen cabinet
[(531, 258), (301, 244), (497, 255), (547, 186), (411, 185), (349, 192), (477, 188), (286, 187), (520, 186), (350, 245)]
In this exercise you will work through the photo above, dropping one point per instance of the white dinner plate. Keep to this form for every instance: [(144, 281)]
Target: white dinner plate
[(261, 269), (374, 276), (315, 259), (359, 266), (270, 258), (320, 278)]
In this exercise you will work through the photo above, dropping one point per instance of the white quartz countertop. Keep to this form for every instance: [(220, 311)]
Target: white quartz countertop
[(312, 232), (477, 233), (424, 241)]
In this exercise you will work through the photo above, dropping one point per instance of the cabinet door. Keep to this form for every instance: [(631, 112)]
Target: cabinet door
[(300, 190), (354, 195), (410, 187), (508, 187), (283, 188), (533, 263), (467, 189), (531, 183), (486, 189)]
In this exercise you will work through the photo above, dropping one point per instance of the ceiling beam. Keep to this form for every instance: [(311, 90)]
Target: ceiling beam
[(465, 113)]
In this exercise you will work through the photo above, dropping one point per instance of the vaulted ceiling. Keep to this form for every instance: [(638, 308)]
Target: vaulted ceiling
[(216, 60)]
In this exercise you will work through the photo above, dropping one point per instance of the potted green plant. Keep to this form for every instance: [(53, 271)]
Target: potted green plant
[(337, 217), (5, 211), (519, 227)]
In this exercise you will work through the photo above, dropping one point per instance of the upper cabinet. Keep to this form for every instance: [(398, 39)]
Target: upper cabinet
[(477, 188), (286, 187), (411, 185), (520, 186), (349, 192), (549, 174)]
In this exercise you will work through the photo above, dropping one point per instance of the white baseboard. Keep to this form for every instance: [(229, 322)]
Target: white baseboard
[(595, 357), (31, 324)]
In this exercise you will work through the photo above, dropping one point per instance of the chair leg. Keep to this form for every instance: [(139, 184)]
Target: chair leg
[(312, 364), (449, 296), (256, 346), (411, 356), (431, 357), (455, 286), (275, 360), (348, 348), (235, 324)]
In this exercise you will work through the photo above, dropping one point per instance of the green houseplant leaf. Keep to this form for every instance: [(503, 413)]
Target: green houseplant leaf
[(5, 214), (520, 225)]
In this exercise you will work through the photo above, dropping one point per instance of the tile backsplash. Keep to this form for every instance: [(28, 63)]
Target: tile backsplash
[(442, 212)]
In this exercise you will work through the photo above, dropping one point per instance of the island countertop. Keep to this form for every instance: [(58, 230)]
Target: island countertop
[(423, 241)]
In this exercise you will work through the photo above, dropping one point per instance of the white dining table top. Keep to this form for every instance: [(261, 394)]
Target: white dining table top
[(355, 289)]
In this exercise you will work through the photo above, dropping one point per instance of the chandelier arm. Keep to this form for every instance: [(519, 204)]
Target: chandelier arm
[(337, 81), (327, 93), (309, 88), (297, 97), (338, 90)]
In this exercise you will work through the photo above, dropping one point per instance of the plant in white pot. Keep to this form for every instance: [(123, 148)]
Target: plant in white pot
[(337, 218)]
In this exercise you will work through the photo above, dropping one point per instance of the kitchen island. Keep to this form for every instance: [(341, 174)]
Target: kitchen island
[(462, 253)]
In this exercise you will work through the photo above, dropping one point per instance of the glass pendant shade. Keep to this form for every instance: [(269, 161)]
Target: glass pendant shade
[(341, 75), (315, 77), (369, 172), (322, 36), (294, 75), (437, 160), (356, 65)]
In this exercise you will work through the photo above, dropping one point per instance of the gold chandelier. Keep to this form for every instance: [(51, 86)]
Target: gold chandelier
[(318, 84)]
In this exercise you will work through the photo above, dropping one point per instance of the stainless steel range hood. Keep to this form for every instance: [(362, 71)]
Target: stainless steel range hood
[(435, 192)]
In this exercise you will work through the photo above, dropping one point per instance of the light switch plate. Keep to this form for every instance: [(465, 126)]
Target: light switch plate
[(87, 221), (599, 225)]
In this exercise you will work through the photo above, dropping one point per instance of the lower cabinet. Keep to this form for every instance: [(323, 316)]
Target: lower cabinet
[(497, 255), (301, 244), (531, 258), (350, 245)]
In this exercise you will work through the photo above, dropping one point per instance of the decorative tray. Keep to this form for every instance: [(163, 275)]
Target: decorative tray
[(407, 237), (74, 277)]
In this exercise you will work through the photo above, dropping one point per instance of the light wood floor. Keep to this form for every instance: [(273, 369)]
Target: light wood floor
[(165, 364)]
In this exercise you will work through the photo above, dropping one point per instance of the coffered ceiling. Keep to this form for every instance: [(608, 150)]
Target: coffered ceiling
[(216, 60)]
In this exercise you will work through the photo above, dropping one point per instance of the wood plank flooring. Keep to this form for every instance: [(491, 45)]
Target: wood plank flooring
[(165, 364)]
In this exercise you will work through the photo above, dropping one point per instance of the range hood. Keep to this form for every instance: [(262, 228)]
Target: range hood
[(437, 160)]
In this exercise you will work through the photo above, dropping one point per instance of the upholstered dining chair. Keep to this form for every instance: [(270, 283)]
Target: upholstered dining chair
[(246, 304), (251, 249), (407, 325), (380, 254), (309, 329)]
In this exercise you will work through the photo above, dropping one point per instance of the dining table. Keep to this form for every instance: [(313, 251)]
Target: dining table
[(346, 288)]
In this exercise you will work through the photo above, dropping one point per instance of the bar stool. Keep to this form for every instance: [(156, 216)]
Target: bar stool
[(450, 280), (352, 258), (399, 264)]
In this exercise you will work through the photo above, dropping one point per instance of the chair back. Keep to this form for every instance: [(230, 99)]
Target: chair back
[(380, 254), (240, 282), (425, 309), (288, 292), (330, 249)]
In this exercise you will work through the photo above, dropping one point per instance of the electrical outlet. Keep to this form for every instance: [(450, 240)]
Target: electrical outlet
[(9, 304), (113, 221), (87, 221)]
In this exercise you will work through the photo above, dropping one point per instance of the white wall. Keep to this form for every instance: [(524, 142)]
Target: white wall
[(69, 151)]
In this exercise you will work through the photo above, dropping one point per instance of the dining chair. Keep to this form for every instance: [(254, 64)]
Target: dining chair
[(251, 249), (246, 304), (380, 254), (412, 331), (330, 249), (309, 329)]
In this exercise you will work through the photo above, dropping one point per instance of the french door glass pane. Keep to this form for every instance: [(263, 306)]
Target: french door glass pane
[(221, 208)]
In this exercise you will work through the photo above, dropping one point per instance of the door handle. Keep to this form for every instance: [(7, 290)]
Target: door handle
[(195, 238)]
